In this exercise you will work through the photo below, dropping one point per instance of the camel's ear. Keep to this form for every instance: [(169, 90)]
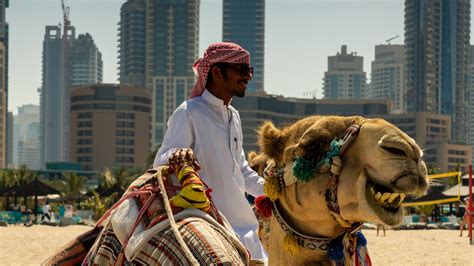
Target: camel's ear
[(271, 140), (251, 155), (258, 162)]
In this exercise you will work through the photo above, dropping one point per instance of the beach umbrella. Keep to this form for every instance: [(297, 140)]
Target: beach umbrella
[(34, 189)]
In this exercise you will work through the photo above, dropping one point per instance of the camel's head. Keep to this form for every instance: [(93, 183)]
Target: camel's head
[(379, 168), (382, 166)]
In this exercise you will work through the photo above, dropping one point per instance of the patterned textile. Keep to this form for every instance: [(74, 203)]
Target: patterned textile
[(208, 244), (221, 52), (75, 251)]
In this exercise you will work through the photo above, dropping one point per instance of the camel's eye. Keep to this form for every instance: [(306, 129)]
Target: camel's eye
[(395, 151)]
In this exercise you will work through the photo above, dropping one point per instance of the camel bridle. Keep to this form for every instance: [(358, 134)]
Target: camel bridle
[(311, 242)]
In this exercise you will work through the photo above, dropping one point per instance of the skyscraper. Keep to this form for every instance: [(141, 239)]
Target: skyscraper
[(132, 43), (3, 107), (387, 76), (437, 43), (67, 61), (345, 78), (26, 147), (4, 156), (172, 38), (86, 61), (470, 86), (244, 24)]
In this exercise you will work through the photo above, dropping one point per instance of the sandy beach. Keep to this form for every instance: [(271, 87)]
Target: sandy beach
[(31, 245)]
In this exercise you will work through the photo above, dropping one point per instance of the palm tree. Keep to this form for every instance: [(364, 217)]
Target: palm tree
[(119, 177), (23, 175), (75, 183), (6, 179)]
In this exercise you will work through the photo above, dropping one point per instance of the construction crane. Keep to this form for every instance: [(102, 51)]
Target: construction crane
[(390, 39), (65, 8)]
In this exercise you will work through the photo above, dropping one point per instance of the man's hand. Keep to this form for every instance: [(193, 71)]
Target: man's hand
[(184, 156)]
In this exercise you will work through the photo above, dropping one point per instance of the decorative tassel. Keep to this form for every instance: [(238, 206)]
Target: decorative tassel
[(290, 245), (336, 250), (304, 169), (361, 240), (264, 206), (272, 187)]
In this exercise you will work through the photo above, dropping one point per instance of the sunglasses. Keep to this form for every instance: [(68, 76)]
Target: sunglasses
[(243, 69)]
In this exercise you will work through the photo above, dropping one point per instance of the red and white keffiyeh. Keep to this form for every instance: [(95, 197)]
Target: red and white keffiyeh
[(221, 52)]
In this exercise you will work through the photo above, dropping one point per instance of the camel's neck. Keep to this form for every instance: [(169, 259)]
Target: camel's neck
[(278, 255), (319, 222)]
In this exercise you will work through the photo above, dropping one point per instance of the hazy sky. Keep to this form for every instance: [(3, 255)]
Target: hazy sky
[(299, 36)]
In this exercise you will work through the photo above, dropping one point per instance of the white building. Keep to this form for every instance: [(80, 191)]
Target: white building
[(345, 78), (26, 145), (387, 76)]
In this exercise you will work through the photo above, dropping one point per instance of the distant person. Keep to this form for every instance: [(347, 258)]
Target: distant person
[(46, 212), (465, 217), (380, 226)]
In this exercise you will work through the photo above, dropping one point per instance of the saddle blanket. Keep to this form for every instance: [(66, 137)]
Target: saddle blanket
[(208, 241)]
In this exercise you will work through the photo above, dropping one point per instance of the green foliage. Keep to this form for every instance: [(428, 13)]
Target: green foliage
[(453, 180), (119, 177), (6, 179), (432, 170), (20, 176), (96, 204), (75, 183)]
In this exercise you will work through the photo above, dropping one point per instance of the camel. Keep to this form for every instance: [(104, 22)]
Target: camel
[(316, 205), (372, 177)]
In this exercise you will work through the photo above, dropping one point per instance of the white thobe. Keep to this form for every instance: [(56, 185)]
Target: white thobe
[(214, 132)]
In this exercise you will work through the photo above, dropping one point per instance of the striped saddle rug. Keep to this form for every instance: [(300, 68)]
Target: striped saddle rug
[(136, 230), (209, 242)]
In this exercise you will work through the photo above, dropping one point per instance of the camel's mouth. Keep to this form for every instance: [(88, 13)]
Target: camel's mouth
[(384, 202)]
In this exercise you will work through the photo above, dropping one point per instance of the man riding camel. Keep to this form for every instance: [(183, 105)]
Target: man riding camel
[(208, 129)]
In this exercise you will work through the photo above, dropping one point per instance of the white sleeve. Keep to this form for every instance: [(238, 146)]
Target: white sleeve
[(253, 182), (178, 135)]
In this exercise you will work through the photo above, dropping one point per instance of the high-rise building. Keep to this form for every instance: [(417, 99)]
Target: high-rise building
[(244, 24), (67, 61), (3, 108), (109, 126), (26, 147), (172, 38), (4, 155), (388, 76), (345, 78), (470, 85), (132, 43), (9, 149), (86, 61), (437, 35)]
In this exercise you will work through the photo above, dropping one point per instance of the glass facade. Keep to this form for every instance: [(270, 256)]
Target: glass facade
[(437, 35), (132, 43), (244, 24), (172, 49)]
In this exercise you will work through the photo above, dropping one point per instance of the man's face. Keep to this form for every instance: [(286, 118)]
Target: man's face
[(235, 78)]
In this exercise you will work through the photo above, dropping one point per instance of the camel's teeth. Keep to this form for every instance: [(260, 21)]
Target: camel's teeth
[(384, 197), (378, 195), (392, 197), (402, 197)]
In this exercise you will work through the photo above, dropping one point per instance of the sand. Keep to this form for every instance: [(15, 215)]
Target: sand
[(31, 245)]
